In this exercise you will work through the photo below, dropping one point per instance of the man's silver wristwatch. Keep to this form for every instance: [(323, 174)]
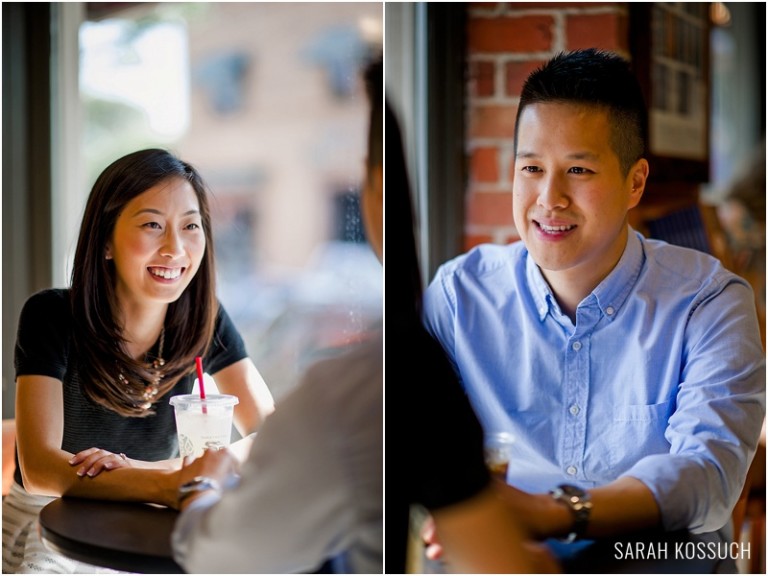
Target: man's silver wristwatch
[(198, 484), (579, 504)]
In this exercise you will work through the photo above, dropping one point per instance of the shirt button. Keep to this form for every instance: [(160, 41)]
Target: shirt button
[(610, 310), (571, 470), (576, 346), (574, 409)]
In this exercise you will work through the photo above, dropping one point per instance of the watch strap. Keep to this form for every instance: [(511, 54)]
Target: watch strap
[(198, 484), (578, 502)]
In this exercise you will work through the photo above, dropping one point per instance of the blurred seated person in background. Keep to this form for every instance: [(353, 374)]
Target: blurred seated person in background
[(630, 371), (742, 215), (97, 363), (310, 494)]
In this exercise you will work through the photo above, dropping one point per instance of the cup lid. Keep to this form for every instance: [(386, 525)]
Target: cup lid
[(210, 399), (499, 437)]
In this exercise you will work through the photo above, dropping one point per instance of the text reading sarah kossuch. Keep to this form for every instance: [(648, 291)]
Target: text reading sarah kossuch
[(681, 551)]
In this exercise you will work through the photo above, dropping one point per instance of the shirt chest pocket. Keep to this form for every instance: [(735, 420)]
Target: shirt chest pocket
[(638, 431)]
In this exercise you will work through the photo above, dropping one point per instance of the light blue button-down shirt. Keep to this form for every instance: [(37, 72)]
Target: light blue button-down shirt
[(662, 378)]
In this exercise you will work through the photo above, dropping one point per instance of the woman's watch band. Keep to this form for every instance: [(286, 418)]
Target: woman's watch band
[(580, 505)]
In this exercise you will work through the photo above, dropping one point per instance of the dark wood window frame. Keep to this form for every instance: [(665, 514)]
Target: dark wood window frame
[(674, 41), (446, 154)]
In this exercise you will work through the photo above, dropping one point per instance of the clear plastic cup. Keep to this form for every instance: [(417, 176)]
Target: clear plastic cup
[(203, 423), (498, 451)]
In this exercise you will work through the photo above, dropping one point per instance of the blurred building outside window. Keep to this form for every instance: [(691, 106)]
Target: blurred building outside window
[(266, 100)]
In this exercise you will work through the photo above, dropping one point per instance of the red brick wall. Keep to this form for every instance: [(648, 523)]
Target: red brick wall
[(506, 41)]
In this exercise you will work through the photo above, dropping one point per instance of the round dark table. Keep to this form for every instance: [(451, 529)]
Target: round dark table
[(124, 536)]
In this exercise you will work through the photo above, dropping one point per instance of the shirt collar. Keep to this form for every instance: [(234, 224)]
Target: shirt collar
[(610, 294), (542, 295), (613, 291)]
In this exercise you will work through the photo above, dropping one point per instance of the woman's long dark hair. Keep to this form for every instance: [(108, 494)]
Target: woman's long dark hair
[(434, 403), (406, 293), (98, 335)]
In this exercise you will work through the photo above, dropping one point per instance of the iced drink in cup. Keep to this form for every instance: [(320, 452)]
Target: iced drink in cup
[(203, 423), (498, 451)]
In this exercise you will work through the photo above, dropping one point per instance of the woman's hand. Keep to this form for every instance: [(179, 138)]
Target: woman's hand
[(94, 461), (433, 548)]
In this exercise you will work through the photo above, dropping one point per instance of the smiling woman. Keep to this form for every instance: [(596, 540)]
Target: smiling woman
[(148, 213), (97, 363)]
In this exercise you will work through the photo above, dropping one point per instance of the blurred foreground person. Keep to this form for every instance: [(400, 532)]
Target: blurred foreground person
[(310, 494), (435, 457)]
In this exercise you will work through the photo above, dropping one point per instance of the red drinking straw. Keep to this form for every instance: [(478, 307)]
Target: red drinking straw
[(199, 364)]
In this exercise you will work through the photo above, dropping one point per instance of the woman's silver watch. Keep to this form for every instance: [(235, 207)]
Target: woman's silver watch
[(580, 505)]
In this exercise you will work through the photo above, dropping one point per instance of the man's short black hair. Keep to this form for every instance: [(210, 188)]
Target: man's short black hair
[(596, 78)]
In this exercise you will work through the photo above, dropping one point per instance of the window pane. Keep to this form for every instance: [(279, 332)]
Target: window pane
[(266, 101)]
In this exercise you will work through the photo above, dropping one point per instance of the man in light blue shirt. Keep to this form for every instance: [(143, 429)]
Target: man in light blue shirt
[(630, 371)]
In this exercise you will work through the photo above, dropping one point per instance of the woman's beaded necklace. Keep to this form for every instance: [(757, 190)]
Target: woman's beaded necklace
[(151, 388)]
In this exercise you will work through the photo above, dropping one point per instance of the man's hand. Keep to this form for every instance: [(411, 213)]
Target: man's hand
[(216, 464)]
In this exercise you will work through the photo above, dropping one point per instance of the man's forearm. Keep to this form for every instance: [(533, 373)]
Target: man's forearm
[(624, 505)]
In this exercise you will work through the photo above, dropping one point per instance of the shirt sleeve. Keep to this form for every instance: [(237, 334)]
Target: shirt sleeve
[(720, 407), (193, 515), (227, 347), (187, 522), (42, 340), (291, 509), (439, 306)]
